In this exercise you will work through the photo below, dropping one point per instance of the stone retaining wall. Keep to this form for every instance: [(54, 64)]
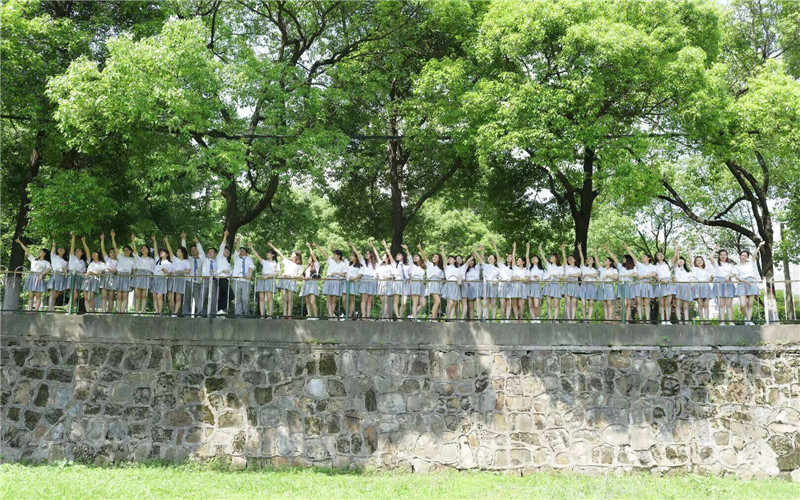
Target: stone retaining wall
[(426, 407)]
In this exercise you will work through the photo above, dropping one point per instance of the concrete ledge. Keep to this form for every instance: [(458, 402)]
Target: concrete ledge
[(134, 329)]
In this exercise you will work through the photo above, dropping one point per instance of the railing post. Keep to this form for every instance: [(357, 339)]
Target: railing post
[(71, 292), (624, 303), (347, 299)]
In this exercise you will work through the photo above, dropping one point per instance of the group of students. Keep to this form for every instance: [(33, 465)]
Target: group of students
[(477, 286)]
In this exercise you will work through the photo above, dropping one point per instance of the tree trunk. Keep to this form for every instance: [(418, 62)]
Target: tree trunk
[(582, 214), (768, 268), (17, 258), (788, 297)]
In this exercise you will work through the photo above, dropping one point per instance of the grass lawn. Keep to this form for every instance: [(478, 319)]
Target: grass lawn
[(195, 481)]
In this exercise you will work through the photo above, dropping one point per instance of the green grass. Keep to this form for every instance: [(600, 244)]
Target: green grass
[(203, 481)]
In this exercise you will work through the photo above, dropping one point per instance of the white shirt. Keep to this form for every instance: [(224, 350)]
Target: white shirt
[(663, 272), (144, 263), (536, 274), (242, 266), (490, 272), (417, 273), (111, 265), (292, 269), (367, 270), (400, 271), (269, 268), (433, 272), (353, 272), (644, 269), (571, 273), (554, 272), (180, 266), (76, 265), (682, 275), (39, 265), (58, 264), (453, 273), (384, 271), (336, 267), (746, 271), (723, 269), (519, 273), (609, 274), (473, 273), (197, 264), (589, 274), (222, 267), (310, 270), (627, 275), (124, 264), (96, 268), (505, 272), (163, 266), (701, 275)]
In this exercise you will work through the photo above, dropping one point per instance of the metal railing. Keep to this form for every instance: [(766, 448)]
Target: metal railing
[(228, 297)]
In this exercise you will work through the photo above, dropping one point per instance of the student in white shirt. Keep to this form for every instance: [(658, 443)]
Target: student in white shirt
[(223, 277), (161, 274), (240, 278), (58, 283), (292, 270), (724, 289), (702, 291), (350, 286), (310, 288), (627, 287), (608, 277), (553, 289), (384, 275), (471, 288), (108, 283), (36, 282), (451, 291), (572, 289), (122, 283), (434, 272), (684, 293), (746, 273), (520, 283), (367, 286), (589, 275), (265, 284), (504, 287), (400, 276), (665, 288), (143, 267), (194, 296), (644, 290), (335, 273), (415, 283), (491, 282), (77, 269), (94, 273), (536, 274), (176, 285)]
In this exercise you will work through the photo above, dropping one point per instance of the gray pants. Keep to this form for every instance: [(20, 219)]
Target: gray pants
[(194, 298), (241, 297)]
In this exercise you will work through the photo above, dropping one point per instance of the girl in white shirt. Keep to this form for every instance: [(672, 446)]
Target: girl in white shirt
[(77, 269), (608, 275), (143, 267), (451, 291), (292, 269), (520, 282), (94, 273), (265, 284), (36, 283), (471, 288), (334, 277), (350, 286), (572, 289), (627, 273), (746, 274), (180, 269), (384, 277), (665, 288), (684, 294), (416, 283), (553, 289), (122, 283), (58, 283), (491, 283), (644, 290), (161, 274), (589, 275), (537, 275), (368, 286), (310, 288), (434, 271), (400, 275), (108, 283), (724, 289), (504, 287), (702, 291)]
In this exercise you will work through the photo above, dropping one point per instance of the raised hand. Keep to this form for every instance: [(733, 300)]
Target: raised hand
[(195, 240), (113, 234), (83, 239), (183, 235), (563, 246), (72, 233), (154, 238), (165, 239), (102, 237)]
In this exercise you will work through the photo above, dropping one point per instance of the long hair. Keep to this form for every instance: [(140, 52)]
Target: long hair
[(627, 262), (355, 262), (184, 252), (727, 256), (537, 264), (558, 259), (46, 254), (439, 264), (370, 259)]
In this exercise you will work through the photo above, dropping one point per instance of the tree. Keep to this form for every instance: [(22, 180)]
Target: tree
[(576, 90)]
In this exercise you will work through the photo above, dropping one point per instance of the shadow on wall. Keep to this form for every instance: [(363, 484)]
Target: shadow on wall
[(581, 408)]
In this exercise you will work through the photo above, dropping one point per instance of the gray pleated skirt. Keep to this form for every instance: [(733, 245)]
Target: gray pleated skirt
[(141, 279), (451, 291), (75, 281), (350, 287), (626, 290), (291, 285), (397, 287), (368, 286), (503, 289), (332, 287), (747, 289), (177, 284), (91, 283), (58, 282), (572, 289), (724, 289), (683, 291), (644, 290), (158, 284), (122, 283), (471, 291), (535, 290), (703, 291), (265, 284), (491, 290), (434, 288), (518, 290), (665, 289), (589, 290), (108, 281), (606, 291), (385, 287), (553, 289), (416, 287), (310, 287), (35, 282)]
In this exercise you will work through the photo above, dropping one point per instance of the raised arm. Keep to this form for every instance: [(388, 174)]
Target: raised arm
[(755, 254), (24, 248), (514, 253), (478, 255), (169, 247), (322, 251), (277, 252), (422, 252), (580, 254), (386, 249), (114, 242), (103, 245), (676, 253), (53, 245), (224, 240), (630, 252), (611, 254), (355, 250), (71, 243), (528, 254), (542, 256), (133, 245), (691, 259), (312, 253), (155, 247), (86, 248), (563, 254), (596, 258), (375, 251), (200, 251), (253, 251)]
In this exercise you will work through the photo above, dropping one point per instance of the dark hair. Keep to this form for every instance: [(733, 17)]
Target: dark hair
[(727, 255), (405, 259), (245, 250), (747, 252), (128, 247), (439, 264), (338, 252), (558, 258), (357, 263), (372, 261), (595, 264), (538, 263), (685, 264), (701, 258), (46, 254), (274, 254), (421, 261), (613, 263), (474, 262), (184, 252), (462, 260), (649, 257), (628, 262)]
